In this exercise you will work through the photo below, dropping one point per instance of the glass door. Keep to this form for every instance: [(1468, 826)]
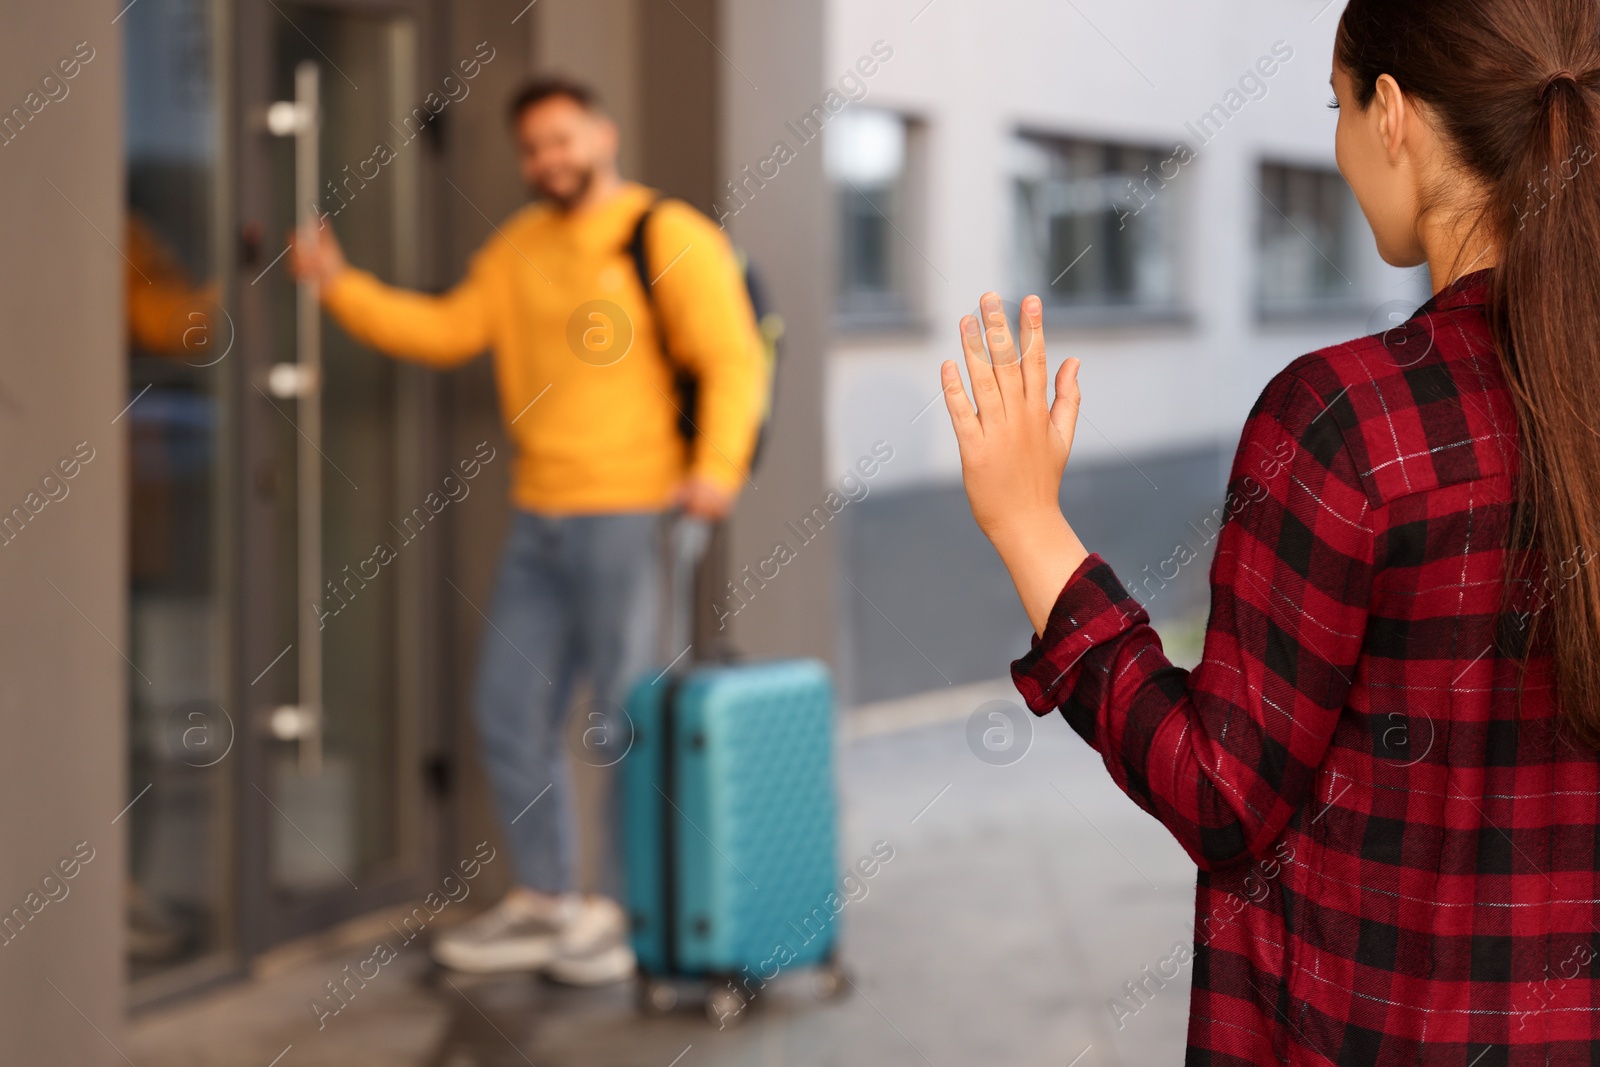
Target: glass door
[(183, 360), (338, 820)]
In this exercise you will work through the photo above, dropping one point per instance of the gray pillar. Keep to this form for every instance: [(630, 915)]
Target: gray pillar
[(62, 569), (596, 42), (771, 73), (481, 162)]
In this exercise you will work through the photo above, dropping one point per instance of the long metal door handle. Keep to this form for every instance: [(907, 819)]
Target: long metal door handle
[(301, 119)]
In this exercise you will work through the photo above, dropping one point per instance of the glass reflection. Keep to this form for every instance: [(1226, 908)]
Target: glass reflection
[(178, 338)]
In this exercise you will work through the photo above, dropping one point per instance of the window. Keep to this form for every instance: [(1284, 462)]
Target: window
[(867, 153), (1095, 224), (1304, 257)]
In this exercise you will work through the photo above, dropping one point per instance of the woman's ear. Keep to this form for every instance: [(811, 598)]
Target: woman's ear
[(1394, 115)]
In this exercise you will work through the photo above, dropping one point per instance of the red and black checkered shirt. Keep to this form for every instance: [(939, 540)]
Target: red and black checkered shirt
[(1397, 862)]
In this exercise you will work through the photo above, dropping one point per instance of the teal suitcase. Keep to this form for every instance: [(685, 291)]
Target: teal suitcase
[(729, 832)]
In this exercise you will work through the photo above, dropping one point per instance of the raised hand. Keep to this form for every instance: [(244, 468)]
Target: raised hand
[(1014, 448)]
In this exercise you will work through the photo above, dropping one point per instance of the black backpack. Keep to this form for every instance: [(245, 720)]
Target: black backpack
[(768, 321)]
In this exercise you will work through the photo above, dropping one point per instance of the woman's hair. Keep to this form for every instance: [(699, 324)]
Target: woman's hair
[(1514, 87)]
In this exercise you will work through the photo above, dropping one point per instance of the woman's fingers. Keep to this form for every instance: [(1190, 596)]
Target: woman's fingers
[(1002, 352), (1034, 372), (1005, 382), (962, 417), (985, 390), (1064, 412)]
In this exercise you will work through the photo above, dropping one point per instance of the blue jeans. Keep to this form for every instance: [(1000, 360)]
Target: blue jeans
[(575, 596)]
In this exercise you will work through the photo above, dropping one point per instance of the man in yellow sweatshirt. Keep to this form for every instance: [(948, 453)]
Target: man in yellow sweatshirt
[(590, 404)]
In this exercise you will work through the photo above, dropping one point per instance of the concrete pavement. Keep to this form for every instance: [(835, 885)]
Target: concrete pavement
[(1019, 901)]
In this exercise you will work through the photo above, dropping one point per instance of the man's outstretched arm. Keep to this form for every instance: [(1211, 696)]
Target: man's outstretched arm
[(440, 331)]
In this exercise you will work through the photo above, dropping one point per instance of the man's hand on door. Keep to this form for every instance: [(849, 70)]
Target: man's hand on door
[(315, 255)]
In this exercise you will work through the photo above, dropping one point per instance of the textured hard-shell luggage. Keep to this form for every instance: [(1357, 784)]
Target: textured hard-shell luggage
[(729, 831)]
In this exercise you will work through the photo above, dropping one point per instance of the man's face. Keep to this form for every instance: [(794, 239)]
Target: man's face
[(560, 146)]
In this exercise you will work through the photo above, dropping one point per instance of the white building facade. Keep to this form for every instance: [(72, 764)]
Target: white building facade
[(1163, 175)]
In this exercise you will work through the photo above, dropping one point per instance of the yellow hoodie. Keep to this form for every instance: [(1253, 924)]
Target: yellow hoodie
[(587, 396)]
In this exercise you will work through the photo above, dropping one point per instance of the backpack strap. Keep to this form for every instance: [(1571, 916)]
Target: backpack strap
[(638, 252), (687, 386)]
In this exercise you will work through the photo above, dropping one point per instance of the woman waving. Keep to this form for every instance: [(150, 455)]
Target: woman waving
[(1393, 727)]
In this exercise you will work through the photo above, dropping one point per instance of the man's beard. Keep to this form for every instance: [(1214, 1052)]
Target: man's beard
[(566, 203)]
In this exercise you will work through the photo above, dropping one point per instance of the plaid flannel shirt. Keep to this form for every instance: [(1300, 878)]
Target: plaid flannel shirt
[(1397, 863)]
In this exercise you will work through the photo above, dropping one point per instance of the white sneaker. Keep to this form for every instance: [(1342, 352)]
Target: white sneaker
[(514, 935), (593, 950)]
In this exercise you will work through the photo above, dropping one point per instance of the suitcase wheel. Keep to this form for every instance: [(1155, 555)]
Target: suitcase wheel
[(831, 981), (656, 996), (724, 1007)]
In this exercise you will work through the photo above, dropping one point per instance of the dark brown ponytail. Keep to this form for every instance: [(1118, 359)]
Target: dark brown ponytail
[(1515, 87)]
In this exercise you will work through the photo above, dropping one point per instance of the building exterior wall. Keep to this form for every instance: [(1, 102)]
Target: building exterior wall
[(1169, 393), (62, 576), (1150, 388)]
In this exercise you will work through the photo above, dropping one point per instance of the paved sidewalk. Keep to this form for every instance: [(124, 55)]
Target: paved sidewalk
[(1019, 901)]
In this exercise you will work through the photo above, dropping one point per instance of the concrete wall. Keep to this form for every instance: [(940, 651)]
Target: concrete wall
[(62, 577), (771, 73)]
